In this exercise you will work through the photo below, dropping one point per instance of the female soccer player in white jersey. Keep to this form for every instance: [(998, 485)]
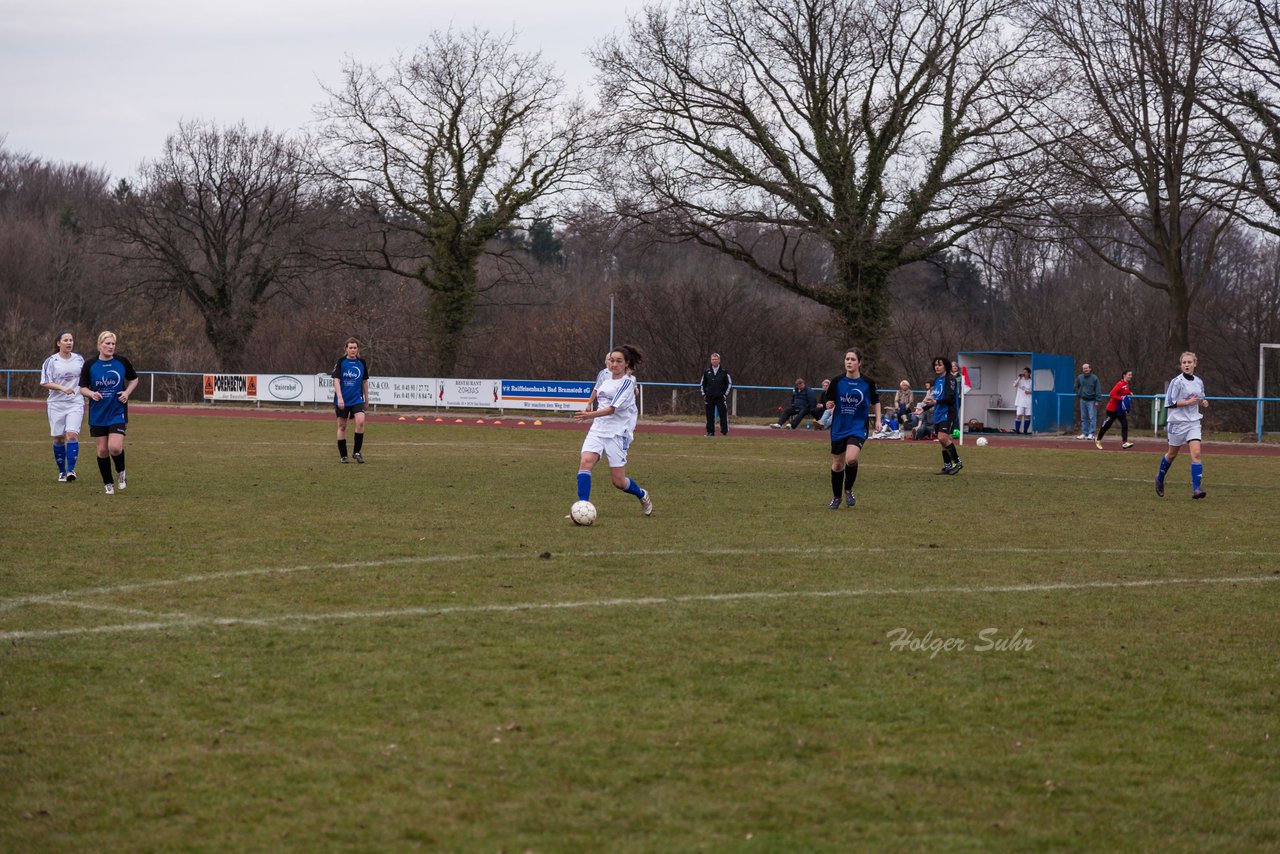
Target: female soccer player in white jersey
[(612, 427), (1184, 400), (108, 380), (61, 376)]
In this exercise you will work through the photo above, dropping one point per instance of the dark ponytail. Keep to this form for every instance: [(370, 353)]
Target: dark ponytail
[(630, 354)]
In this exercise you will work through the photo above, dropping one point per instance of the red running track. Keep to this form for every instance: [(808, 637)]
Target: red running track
[(1143, 444)]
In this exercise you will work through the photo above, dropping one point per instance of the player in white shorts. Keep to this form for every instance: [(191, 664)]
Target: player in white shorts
[(1185, 402), (60, 374), (612, 427)]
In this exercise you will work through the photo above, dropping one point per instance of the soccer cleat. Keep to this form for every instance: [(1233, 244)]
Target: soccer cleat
[(1127, 445), (1098, 444), (849, 498), (956, 466), (646, 503), (1160, 487), (109, 489), (120, 482), (62, 477), (834, 505), (356, 456), (946, 469), (71, 476), (1198, 493), (343, 460)]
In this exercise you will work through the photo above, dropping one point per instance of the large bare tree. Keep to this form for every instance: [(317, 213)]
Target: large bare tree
[(1132, 147), (823, 143), (1244, 97), (218, 218), (439, 152)]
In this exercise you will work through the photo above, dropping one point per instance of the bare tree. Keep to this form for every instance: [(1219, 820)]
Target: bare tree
[(823, 143), (1244, 97), (218, 218), (440, 152), (48, 278), (1132, 145)]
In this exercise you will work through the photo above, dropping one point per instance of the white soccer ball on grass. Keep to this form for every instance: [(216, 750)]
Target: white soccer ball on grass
[(582, 512), (981, 442)]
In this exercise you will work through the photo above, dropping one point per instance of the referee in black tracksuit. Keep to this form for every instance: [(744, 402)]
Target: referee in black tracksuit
[(716, 384)]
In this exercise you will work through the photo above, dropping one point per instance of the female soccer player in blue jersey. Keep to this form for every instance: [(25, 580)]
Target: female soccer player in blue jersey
[(944, 398), (612, 427), (852, 399), (108, 380), (1184, 400), (60, 374), (350, 391)]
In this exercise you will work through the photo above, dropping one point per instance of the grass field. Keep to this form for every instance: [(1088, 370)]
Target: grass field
[(254, 648)]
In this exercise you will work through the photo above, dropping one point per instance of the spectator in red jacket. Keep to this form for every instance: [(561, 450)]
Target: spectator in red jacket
[(1118, 410)]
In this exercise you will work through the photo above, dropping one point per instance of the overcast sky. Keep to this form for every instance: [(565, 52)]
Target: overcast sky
[(103, 82)]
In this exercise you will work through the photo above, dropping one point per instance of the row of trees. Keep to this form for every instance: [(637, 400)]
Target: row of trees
[(785, 176)]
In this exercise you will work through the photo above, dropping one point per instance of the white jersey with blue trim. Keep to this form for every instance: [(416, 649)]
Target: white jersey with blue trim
[(605, 374), (63, 372), (621, 395), (1180, 388)]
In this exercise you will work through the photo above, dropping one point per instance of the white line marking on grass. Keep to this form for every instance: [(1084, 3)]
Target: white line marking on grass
[(638, 602), (119, 609), (202, 578)]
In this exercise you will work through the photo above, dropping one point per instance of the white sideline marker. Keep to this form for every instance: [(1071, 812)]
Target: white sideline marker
[(217, 622)]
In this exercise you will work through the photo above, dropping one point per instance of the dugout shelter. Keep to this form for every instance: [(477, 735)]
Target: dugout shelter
[(991, 394)]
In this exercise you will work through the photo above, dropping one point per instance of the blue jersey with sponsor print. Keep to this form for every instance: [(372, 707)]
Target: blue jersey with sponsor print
[(944, 408), (108, 378), (350, 375), (853, 402)]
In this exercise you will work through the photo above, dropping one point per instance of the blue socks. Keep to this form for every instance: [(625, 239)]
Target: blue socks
[(584, 487), (65, 456), (1197, 472)]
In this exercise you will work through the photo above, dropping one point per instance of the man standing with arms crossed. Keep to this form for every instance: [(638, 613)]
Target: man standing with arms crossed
[(716, 385), (1087, 389)]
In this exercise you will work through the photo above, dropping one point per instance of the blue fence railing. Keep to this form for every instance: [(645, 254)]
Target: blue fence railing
[(755, 401)]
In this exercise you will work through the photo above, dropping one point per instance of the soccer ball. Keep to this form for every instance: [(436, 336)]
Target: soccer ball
[(582, 513), (982, 442)]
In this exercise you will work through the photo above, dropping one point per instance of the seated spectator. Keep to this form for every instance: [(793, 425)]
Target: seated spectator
[(904, 400), (802, 406), (909, 421), (824, 416), (924, 429)]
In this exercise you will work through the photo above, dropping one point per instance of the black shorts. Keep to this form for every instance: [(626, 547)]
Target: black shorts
[(948, 427), (348, 412), (839, 446), (99, 432)]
